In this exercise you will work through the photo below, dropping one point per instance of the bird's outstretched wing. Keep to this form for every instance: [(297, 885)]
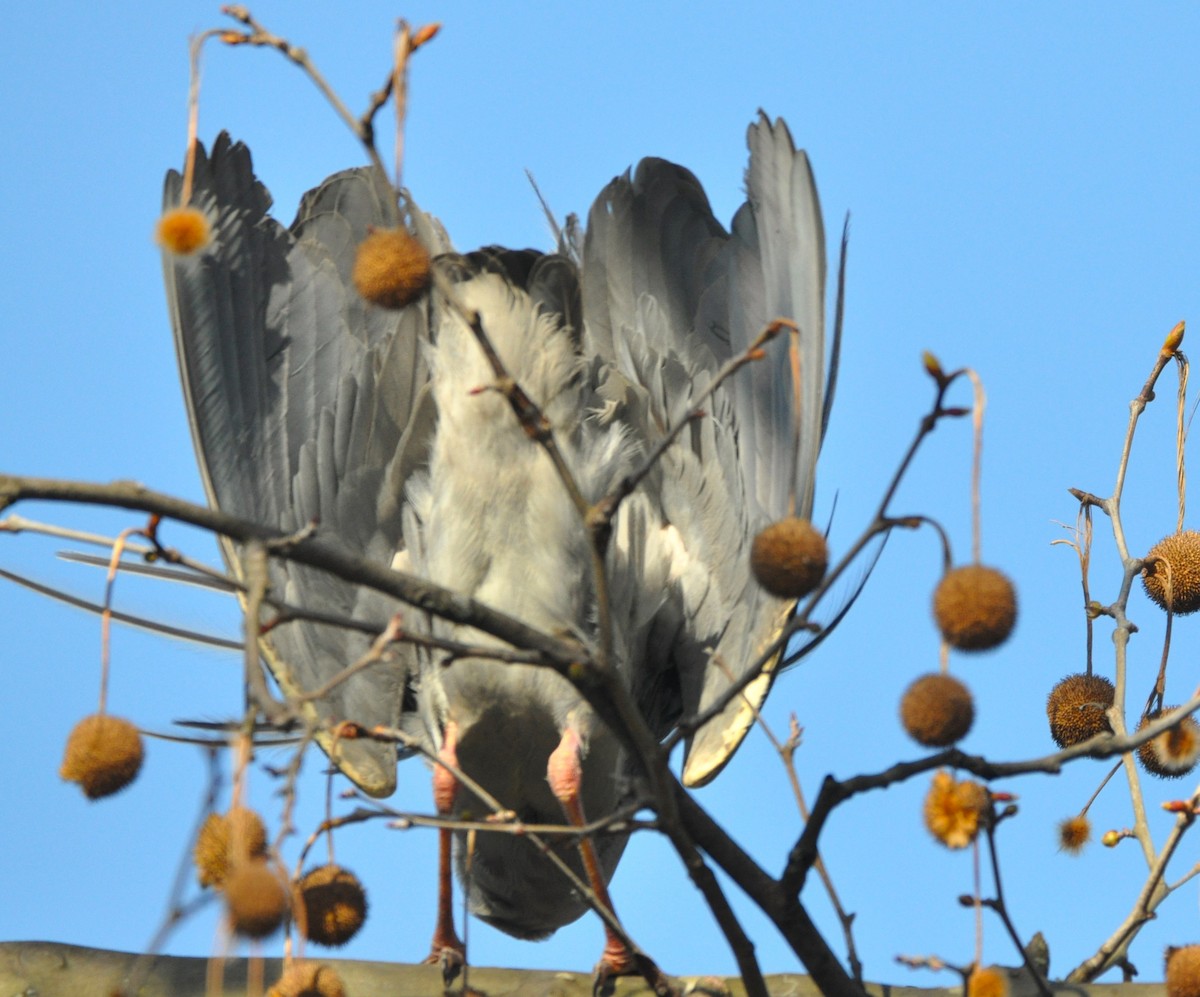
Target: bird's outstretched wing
[(306, 405), (669, 296)]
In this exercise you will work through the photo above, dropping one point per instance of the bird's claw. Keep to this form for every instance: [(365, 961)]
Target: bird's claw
[(622, 962), (451, 958)]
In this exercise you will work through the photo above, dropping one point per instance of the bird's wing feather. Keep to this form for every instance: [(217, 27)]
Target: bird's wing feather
[(669, 296), (306, 404)]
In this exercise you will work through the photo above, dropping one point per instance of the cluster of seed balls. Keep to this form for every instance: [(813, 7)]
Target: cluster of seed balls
[(232, 856), (975, 608), (1078, 705), (104, 755)]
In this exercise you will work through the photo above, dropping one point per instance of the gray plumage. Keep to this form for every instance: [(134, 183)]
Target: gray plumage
[(308, 404)]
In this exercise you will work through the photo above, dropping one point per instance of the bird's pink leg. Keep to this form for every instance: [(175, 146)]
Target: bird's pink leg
[(565, 775), (447, 950)]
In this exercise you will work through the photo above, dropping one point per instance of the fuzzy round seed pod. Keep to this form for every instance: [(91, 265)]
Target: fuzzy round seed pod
[(1183, 971), (975, 607), (954, 810), (1174, 752), (308, 979), (104, 754), (1182, 552), (333, 904), (256, 898), (1074, 833), (987, 981), (183, 231), (1075, 708), (789, 558), (937, 710), (226, 839), (391, 268)]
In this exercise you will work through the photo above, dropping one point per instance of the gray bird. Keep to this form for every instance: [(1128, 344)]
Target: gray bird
[(308, 404)]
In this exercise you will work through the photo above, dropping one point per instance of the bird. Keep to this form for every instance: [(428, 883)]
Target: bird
[(309, 405)]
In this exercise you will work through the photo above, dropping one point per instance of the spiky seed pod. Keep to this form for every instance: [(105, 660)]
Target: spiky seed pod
[(183, 231), (975, 607), (1174, 752), (789, 558), (226, 839), (954, 810), (1075, 708), (1183, 971), (308, 979), (937, 710), (987, 981), (1182, 552), (104, 754), (1074, 833), (333, 904), (256, 898), (391, 268)]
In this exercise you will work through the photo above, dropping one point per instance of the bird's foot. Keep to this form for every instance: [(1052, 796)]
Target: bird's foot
[(451, 955), (618, 960)]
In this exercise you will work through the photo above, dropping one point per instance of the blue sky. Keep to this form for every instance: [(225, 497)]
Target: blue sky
[(1023, 187)]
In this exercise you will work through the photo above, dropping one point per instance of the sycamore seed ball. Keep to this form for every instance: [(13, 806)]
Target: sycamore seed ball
[(1183, 971), (975, 607), (256, 899), (1076, 708), (183, 231), (308, 979), (954, 810), (104, 754), (987, 981), (937, 710), (1174, 752), (789, 558), (333, 905), (226, 839), (391, 268), (1074, 833), (1182, 552)]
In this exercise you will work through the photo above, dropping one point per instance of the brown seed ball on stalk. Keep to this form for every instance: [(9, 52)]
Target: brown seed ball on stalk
[(391, 268), (308, 979), (1182, 552), (954, 810), (333, 904), (1174, 752), (1183, 971), (256, 898), (226, 839), (789, 558), (183, 231), (975, 607), (1076, 708), (937, 710), (104, 754), (1074, 833), (987, 981)]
